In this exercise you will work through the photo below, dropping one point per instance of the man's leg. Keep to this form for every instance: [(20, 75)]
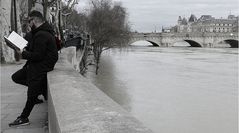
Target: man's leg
[(20, 76), (44, 87), (34, 89), (32, 94)]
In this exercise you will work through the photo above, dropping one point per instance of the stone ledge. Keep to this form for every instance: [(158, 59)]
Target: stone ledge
[(76, 105)]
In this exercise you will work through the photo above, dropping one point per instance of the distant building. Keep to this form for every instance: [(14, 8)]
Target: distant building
[(206, 23), (166, 29)]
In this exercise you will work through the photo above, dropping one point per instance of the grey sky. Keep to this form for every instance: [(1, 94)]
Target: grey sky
[(151, 15)]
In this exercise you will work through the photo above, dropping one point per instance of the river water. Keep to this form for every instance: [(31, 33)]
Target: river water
[(176, 89)]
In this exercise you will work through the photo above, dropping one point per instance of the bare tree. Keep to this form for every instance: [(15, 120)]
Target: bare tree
[(108, 27)]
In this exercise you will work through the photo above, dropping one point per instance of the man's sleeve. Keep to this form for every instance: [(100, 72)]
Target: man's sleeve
[(39, 49)]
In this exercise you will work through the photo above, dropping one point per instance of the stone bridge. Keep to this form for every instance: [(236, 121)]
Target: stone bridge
[(194, 39)]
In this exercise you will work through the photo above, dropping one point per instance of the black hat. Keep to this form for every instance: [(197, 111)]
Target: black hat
[(35, 13)]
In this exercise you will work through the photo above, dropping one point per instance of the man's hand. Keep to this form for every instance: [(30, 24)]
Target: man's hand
[(19, 52)]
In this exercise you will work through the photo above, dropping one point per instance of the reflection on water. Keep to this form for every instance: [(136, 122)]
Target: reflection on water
[(174, 90), (107, 81)]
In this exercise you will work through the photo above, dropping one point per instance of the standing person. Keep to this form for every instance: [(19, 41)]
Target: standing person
[(41, 55)]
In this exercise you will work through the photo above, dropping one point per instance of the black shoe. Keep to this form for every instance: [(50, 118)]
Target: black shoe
[(19, 122)]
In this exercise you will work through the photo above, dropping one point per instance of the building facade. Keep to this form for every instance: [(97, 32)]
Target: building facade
[(206, 23)]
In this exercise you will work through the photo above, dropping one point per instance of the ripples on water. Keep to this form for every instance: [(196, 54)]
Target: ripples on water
[(174, 90)]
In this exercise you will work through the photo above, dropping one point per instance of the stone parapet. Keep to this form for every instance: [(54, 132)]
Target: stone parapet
[(76, 105)]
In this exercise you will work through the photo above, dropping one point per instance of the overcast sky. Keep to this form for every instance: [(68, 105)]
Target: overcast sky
[(151, 15)]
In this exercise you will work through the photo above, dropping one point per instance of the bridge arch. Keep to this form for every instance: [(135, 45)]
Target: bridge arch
[(232, 42), (151, 42), (191, 43), (154, 44), (181, 44)]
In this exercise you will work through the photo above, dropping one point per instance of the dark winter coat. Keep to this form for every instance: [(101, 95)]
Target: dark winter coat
[(41, 53)]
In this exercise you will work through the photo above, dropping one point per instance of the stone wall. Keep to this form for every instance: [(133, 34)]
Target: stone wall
[(76, 105)]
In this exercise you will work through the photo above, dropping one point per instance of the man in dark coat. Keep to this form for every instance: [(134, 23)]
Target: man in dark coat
[(41, 55)]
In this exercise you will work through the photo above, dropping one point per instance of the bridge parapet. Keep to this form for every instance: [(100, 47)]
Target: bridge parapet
[(200, 34), (195, 39)]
